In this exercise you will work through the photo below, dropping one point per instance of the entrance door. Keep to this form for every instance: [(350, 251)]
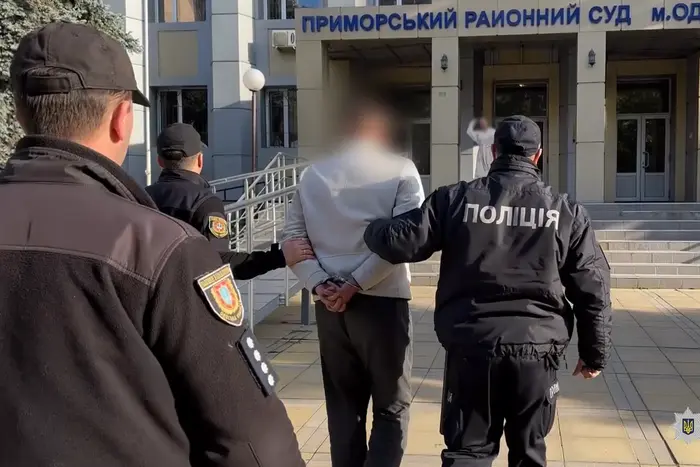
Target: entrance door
[(419, 149), (643, 145), (528, 98)]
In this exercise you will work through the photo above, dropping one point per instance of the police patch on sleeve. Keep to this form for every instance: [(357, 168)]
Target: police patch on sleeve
[(222, 295), (218, 226), (254, 355)]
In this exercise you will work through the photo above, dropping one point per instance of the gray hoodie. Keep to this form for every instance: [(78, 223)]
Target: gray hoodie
[(337, 198)]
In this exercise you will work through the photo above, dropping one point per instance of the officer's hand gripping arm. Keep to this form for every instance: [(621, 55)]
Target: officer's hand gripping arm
[(586, 277), (409, 195), (413, 236), (309, 272), (221, 405)]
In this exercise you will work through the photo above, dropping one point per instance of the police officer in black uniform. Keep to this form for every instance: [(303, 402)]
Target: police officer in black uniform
[(183, 193), (122, 336), (513, 252)]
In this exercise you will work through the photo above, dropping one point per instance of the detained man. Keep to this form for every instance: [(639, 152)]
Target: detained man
[(362, 314)]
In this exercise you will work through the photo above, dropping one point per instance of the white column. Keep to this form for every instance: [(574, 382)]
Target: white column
[(232, 30), (444, 113), (467, 153), (590, 117)]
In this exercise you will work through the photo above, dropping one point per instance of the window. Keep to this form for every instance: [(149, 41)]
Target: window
[(521, 99), (281, 113), (636, 97), (182, 11), (284, 9), (184, 106)]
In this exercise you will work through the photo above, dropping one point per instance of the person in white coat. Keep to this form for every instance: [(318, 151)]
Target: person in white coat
[(482, 135)]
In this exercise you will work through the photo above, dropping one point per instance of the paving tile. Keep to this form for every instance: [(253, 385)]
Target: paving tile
[(683, 452), (587, 449), (591, 426), (651, 368), (682, 355), (640, 354), (296, 358), (688, 369)]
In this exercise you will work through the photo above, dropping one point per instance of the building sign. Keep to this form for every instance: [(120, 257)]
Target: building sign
[(616, 15)]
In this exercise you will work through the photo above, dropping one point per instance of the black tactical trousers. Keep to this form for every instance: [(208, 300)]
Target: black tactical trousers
[(366, 352), (482, 394)]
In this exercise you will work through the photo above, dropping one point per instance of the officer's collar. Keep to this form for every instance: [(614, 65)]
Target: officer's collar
[(515, 164), (181, 174), (48, 159)]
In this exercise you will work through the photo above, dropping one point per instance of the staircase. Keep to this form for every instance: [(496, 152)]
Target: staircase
[(256, 221), (648, 245)]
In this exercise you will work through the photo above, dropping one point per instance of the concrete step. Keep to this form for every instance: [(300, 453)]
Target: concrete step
[(616, 207), (655, 281), (655, 235), (646, 245), (647, 215), (621, 281), (651, 256), (646, 224), (659, 269)]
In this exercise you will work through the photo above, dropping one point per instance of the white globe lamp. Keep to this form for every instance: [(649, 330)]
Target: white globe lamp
[(254, 80)]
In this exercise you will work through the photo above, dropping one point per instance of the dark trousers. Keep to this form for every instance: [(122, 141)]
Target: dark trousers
[(482, 394), (366, 351)]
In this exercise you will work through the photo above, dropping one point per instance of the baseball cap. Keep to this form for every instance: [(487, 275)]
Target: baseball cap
[(177, 141), (517, 136), (89, 58)]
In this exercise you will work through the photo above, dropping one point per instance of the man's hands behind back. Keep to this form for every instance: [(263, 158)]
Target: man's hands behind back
[(336, 297)]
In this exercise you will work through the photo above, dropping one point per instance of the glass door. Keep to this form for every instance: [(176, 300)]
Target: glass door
[(655, 146), (643, 145), (627, 186)]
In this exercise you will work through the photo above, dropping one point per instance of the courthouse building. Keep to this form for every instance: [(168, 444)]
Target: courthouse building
[(613, 84)]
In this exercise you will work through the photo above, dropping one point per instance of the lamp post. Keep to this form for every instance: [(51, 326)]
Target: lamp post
[(254, 80)]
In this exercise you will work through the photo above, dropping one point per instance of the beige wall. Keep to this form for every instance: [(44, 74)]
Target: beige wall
[(178, 54), (544, 73), (652, 68), (282, 62)]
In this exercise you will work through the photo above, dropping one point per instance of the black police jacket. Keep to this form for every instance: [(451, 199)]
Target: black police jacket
[(110, 354), (513, 251), (187, 196)]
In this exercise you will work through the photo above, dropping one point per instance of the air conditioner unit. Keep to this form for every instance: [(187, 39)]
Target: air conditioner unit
[(284, 39)]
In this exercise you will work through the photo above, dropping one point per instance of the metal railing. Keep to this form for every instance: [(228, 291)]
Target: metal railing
[(243, 186), (256, 219)]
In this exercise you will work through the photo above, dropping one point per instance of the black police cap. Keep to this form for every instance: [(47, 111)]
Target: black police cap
[(177, 141), (87, 58), (517, 136)]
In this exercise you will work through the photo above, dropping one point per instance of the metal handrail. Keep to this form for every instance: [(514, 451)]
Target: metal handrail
[(261, 210)]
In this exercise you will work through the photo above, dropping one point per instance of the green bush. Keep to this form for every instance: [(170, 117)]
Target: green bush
[(21, 16)]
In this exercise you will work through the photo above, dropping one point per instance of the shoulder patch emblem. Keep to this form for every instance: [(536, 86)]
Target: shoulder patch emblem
[(218, 226), (222, 295)]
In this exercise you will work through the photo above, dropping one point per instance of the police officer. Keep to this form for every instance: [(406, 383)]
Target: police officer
[(513, 252), (183, 193), (122, 337)]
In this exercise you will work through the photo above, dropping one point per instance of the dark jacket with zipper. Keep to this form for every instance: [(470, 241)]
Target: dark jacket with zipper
[(109, 354), (513, 252), (187, 196)]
